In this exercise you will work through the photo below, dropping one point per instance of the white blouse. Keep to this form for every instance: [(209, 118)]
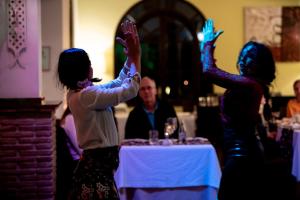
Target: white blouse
[(91, 109)]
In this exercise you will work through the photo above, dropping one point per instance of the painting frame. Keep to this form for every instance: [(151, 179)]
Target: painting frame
[(46, 58), (276, 27)]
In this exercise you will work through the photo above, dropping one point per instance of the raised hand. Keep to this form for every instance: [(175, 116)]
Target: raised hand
[(131, 43), (209, 34)]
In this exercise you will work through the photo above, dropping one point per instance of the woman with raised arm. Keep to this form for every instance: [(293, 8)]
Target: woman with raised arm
[(241, 176), (91, 108)]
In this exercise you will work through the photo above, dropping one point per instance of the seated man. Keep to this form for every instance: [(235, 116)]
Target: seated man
[(150, 113), (293, 106)]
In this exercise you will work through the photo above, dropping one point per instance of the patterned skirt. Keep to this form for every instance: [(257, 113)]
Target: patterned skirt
[(94, 176)]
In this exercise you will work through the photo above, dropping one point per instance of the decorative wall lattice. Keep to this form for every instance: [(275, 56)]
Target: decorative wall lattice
[(16, 30)]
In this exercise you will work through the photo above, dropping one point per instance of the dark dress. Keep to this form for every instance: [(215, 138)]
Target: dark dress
[(243, 151), (93, 178), (138, 124)]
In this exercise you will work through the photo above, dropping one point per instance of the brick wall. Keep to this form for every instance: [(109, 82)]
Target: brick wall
[(27, 149)]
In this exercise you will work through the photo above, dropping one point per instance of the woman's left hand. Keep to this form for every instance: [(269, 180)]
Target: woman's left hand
[(131, 43)]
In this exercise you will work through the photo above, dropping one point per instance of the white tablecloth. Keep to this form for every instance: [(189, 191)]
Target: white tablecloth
[(296, 155), (188, 119), (178, 169), (296, 152)]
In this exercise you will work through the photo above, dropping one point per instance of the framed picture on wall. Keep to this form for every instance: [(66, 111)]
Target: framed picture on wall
[(276, 27), (45, 58)]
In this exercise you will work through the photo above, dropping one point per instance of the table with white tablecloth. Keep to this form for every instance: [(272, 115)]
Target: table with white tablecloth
[(296, 151), (188, 119), (168, 172), (296, 155)]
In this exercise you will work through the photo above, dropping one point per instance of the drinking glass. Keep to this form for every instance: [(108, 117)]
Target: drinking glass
[(170, 127), (181, 133), (153, 137)]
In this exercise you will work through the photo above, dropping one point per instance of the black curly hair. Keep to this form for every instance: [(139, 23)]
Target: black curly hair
[(262, 65)]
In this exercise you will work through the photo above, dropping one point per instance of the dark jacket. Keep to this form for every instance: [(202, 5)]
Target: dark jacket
[(138, 124)]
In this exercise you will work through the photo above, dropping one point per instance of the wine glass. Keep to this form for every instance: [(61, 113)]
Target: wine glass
[(170, 127)]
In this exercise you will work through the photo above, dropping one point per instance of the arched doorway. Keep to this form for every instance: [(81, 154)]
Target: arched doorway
[(170, 54)]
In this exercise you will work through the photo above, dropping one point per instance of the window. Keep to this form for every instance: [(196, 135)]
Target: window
[(170, 54)]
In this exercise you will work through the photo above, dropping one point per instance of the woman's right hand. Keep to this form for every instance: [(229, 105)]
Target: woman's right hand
[(209, 35)]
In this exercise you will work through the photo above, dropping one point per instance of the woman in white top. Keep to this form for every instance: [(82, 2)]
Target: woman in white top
[(68, 154), (91, 108), (67, 123)]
